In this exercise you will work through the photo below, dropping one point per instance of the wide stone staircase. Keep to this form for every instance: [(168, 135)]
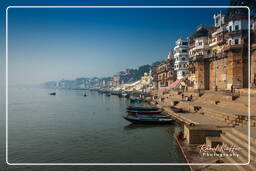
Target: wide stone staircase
[(216, 105), (230, 114), (239, 137)]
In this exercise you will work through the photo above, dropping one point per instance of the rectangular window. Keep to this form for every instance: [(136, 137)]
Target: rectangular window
[(236, 27), (185, 43), (236, 41), (184, 51)]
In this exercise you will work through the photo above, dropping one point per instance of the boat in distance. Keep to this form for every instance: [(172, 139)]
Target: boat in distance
[(141, 119), (142, 108)]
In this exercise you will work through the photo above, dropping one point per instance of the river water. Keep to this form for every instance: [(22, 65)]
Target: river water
[(71, 128)]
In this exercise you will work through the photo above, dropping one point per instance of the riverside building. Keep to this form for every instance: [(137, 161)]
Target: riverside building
[(199, 53), (236, 48), (219, 54), (164, 74), (181, 58), (253, 51), (217, 57)]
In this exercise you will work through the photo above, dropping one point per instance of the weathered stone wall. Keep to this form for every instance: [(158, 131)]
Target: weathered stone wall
[(253, 65), (199, 75), (218, 74), (237, 68), (206, 75)]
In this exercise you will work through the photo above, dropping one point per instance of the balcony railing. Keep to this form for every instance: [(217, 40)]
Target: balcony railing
[(200, 47), (232, 47), (180, 54), (198, 57), (219, 30), (213, 43), (217, 56)]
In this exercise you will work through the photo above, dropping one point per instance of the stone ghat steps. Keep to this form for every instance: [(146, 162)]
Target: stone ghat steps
[(234, 120), (241, 139), (243, 133), (239, 106), (244, 98), (235, 137), (215, 113), (233, 115), (217, 95)]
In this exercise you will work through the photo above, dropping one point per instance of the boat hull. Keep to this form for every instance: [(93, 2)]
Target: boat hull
[(148, 120), (144, 112), (142, 108)]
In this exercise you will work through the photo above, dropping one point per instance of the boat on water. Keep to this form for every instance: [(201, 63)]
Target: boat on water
[(135, 99), (143, 119), (142, 108), (145, 112), (124, 94), (85, 94), (52, 94), (108, 94)]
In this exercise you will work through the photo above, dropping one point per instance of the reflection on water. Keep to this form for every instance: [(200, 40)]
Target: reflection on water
[(145, 126), (72, 128)]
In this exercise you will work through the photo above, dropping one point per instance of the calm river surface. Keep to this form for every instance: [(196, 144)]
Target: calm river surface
[(70, 128)]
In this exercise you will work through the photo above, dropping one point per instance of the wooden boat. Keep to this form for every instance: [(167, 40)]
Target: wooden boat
[(52, 94), (145, 112), (124, 94), (142, 108), (148, 120), (136, 100)]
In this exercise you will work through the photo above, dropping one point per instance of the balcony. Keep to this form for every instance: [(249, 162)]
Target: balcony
[(217, 56), (197, 57), (232, 47), (165, 69), (180, 47), (180, 54), (200, 47), (213, 43), (219, 30), (237, 33), (218, 42)]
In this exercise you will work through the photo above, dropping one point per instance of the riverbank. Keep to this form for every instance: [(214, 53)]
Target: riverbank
[(208, 112)]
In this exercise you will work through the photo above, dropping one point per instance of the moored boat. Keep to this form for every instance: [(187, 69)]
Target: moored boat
[(142, 119), (142, 108), (145, 112)]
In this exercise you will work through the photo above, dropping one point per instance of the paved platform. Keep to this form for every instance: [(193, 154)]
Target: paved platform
[(195, 118)]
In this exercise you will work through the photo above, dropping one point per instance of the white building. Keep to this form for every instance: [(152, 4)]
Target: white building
[(181, 58), (235, 26)]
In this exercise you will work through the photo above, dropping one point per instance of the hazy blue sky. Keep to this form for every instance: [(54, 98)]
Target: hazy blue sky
[(54, 44)]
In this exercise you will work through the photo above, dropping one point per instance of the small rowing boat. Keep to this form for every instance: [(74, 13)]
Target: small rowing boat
[(142, 108), (148, 120), (145, 112)]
